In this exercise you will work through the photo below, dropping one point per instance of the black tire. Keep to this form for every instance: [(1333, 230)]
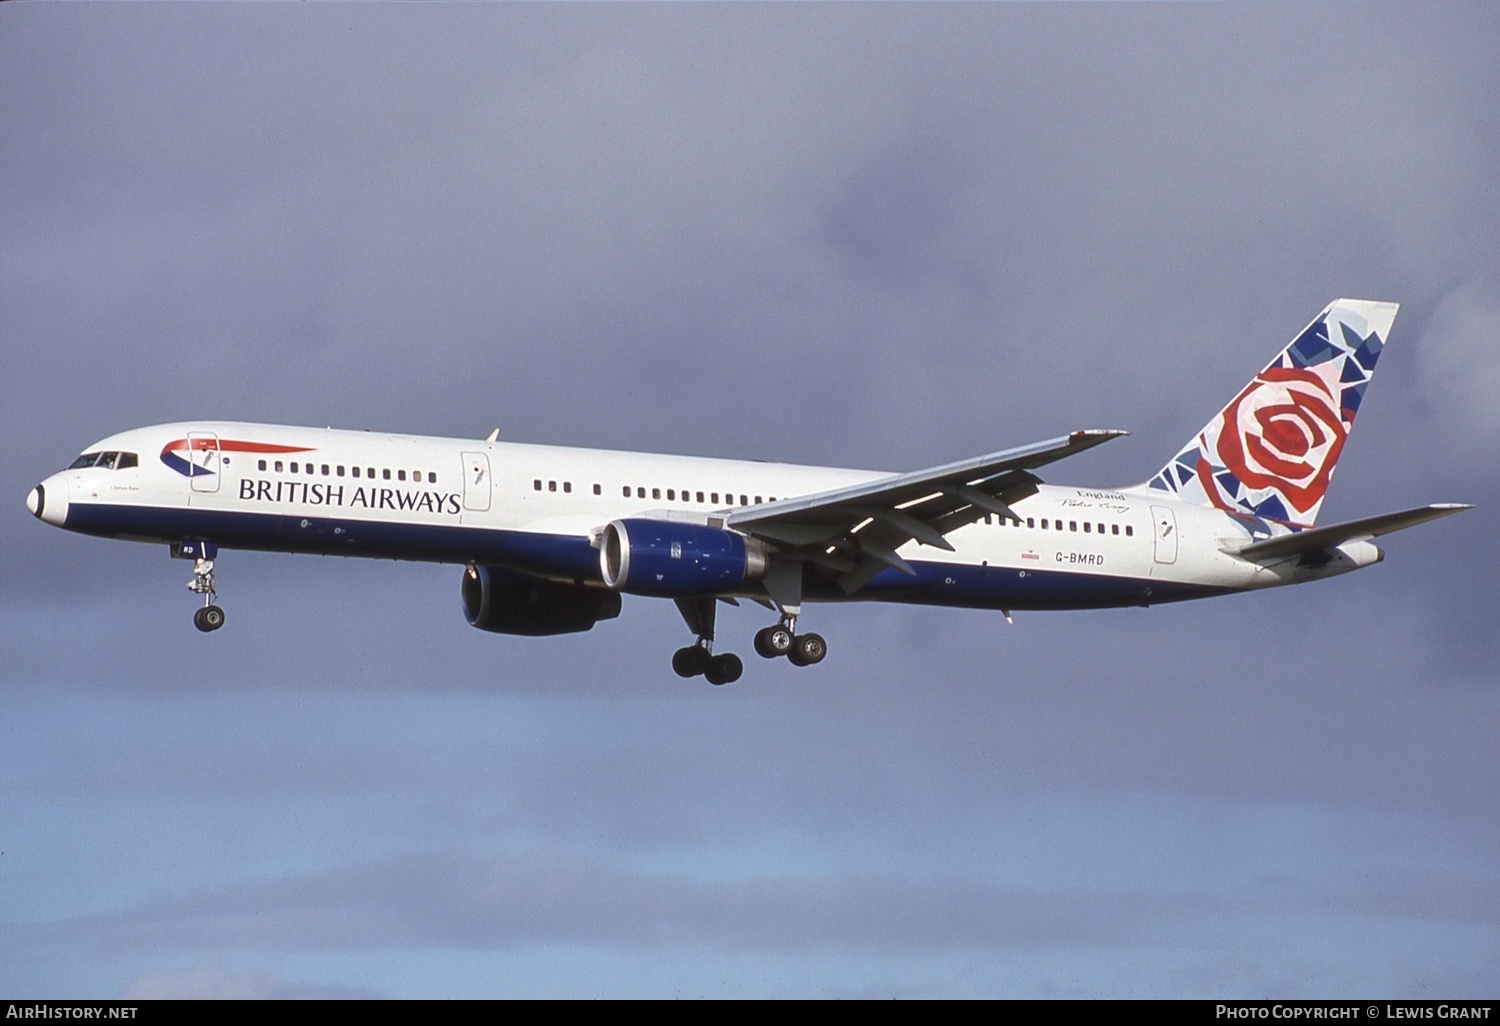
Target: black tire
[(213, 618), (809, 649), (773, 642), (198, 620), (763, 644), (690, 661), (724, 669)]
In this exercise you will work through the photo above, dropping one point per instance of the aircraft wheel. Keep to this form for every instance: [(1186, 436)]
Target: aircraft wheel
[(690, 661), (773, 641), (209, 618), (808, 649), (724, 669)]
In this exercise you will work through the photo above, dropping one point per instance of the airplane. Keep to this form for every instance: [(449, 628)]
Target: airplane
[(551, 537)]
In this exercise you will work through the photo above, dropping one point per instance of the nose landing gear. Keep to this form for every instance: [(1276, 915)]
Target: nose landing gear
[(202, 553), (211, 616)]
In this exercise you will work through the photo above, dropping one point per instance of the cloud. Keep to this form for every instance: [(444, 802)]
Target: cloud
[(214, 983), (1460, 365)]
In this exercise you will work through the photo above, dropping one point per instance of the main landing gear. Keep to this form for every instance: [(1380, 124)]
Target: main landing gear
[(781, 639), (698, 659)]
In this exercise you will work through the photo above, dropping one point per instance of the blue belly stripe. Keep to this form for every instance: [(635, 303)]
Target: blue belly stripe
[(571, 557)]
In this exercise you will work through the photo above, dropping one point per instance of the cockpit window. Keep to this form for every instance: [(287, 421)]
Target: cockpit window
[(106, 460)]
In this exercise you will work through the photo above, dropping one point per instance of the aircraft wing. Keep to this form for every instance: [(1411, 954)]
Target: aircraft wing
[(854, 532), (1316, 539)]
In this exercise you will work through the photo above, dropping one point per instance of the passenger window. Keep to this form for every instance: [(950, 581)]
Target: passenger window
[(1114, 528), (431, 477), (671, 495), (744, 501), (354, 471), (260, 464), (278, 466), (1030, 522), (1086, 527), (551, 486), (597, 490), (627, 491), (400, 475), (715, 497), (340, 469), (1129, 531), (294, 468), (536, 485), (325, 470), (370, 473), (568, 486), (656, 493), (700, 496), (385, 473), (757, 500)]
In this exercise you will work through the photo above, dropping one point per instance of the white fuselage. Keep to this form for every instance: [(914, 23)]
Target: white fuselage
[(538, 509)]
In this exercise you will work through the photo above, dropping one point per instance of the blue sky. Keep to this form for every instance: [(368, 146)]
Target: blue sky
[(878, 236)]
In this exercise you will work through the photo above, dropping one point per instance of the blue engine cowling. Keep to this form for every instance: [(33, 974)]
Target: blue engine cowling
[(675, 560), (509, 602)]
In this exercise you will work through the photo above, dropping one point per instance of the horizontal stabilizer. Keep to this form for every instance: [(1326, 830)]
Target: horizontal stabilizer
[(1318, 538)]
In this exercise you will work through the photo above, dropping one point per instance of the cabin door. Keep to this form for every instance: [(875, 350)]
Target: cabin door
[(1166, 534), (476, 482), (204, 466)]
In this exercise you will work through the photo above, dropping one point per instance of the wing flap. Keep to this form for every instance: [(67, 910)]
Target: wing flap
[(853, 533)]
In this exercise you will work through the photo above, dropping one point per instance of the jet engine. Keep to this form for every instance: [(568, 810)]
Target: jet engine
[(675, 560), (509, 602)]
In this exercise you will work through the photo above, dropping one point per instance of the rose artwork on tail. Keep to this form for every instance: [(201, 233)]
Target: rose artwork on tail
[(1271, 452)]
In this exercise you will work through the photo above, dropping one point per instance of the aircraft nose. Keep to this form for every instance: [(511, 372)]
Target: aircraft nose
[(48, 501)]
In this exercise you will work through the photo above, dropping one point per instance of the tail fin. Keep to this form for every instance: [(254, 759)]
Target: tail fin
[(1272, 450)]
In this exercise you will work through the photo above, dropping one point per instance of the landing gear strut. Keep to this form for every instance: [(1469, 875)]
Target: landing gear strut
[(698, 658), (210, 617)]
